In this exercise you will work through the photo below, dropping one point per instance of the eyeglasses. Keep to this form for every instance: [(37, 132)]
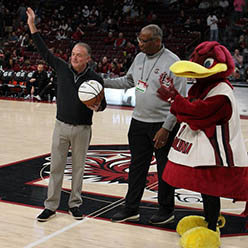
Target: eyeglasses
[(144, 41)]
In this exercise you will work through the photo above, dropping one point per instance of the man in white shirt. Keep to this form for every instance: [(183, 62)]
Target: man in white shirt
[(212, 21)]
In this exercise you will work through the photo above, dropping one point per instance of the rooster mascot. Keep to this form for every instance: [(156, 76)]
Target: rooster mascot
[(208, 154)]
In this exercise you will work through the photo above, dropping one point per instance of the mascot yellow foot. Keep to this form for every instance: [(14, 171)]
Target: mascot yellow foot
[(200, 237), (190, 222), (195, 233)]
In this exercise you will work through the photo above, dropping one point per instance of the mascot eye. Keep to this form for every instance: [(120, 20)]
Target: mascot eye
[(208, 62)]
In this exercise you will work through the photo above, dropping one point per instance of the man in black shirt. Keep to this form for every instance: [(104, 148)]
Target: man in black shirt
[(37, 83), (73, 122)]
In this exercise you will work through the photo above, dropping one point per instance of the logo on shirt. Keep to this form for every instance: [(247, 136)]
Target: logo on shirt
[(165, 79)]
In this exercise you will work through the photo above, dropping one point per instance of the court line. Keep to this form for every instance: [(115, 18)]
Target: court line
[(44, 239), (92, 215)]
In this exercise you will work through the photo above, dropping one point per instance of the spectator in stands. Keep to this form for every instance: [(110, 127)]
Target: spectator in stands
[(30, 47), (114, 69), (127, 61), (181, 18), (204, 4), (105, 65), (37, 83), (239, 6), (127, 6), (169, 33), (112, 25), (63, 25), (110, 39), (60, 53), (224, 5), (24, 41), (120, 42), (26, 65), (54, 26), (61, 35), (188, 24), (151, 17), (94, 11), (130, 48), (21, 13), (13, 38), (104, 27), (91, 21), (86, 12), (238, 59), (78, 34), (134, 14), (236, 75), (99, 67), (242, 43), (212, 22)]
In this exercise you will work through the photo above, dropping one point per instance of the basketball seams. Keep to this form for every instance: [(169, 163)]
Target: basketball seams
[(96, 90), (89, 89), (87, 92)]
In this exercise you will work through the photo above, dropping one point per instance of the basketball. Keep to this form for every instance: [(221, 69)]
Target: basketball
[(90, 92)]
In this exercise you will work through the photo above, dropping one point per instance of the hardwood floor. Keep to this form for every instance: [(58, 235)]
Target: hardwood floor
[(26, 130)]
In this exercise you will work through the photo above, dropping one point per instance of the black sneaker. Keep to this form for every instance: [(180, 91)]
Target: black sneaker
[(46, 215), (126, 215), (162, 218), (76, 213)]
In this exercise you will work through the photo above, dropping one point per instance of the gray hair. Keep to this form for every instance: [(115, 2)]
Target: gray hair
[(86, 46), (156, 31)]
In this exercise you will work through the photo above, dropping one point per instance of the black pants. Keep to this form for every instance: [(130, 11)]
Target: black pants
[(211, 206), (141, 144), (49, 89)]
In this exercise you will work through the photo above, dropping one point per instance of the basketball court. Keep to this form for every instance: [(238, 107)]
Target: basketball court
[(26, 131)]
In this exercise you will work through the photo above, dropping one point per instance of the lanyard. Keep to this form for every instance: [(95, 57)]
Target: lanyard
[(151, 69)]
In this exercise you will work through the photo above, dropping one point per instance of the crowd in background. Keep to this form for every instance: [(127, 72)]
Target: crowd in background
[(109, 27)]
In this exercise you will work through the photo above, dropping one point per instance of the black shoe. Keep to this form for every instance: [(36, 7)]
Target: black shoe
[(76, 213), (126, 215), (46, 215), (162, 218)]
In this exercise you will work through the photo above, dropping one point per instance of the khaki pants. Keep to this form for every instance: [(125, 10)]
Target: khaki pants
[(64, 136)]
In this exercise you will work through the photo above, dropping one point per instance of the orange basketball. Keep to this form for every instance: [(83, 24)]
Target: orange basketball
[(91, 92)]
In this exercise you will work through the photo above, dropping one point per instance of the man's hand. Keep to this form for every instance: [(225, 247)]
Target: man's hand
[(94, 107), (161, 138), (31, 17), (167, 93)]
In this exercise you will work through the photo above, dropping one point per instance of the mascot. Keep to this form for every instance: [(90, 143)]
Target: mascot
[(208, 154)]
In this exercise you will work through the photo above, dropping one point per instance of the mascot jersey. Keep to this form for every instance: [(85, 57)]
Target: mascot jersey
[(224, 148)]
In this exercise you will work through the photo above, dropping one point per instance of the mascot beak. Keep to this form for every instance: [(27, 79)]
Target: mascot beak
[(190, 69)]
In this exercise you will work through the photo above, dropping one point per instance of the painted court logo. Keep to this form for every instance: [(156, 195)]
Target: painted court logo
[(109, 164), (22, 183)]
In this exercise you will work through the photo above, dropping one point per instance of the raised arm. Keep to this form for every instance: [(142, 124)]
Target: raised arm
[(31, 18)]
